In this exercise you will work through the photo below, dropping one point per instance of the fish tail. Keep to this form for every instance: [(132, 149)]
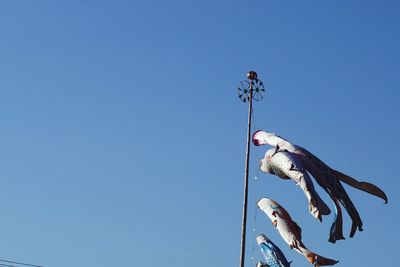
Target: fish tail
[(316, 259), (363, 186), (336, 232), (316, 206), (354, 226), (351, 210)]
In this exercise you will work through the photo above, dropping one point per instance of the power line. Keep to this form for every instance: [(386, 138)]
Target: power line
[(19, 263)]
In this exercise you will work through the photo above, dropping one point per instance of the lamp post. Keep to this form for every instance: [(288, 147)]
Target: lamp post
[(250, 89)]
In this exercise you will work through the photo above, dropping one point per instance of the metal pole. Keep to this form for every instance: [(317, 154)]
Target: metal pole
[(246, 183)]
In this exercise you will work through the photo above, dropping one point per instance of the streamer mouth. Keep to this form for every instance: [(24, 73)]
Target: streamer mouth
[(261, 238), (255, 139)]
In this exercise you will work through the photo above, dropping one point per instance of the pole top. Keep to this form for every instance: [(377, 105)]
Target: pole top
[(252, 88), (252, 75)]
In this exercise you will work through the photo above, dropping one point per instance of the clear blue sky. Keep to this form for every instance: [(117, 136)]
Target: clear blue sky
[(122, 138)]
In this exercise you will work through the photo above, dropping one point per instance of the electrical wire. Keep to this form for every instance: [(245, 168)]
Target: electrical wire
[(18, 263)]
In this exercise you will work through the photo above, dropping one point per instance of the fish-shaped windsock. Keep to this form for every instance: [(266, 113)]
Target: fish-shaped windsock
[(290, 231), (291, 161), (272, 254), (262, 264), (287, 166)]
